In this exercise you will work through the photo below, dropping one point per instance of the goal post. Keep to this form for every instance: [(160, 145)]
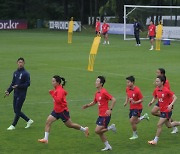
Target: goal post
[(169, 15)]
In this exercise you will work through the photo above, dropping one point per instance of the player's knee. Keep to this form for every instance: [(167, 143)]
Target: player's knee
[(159, 125), (153, 112), (97, 131)]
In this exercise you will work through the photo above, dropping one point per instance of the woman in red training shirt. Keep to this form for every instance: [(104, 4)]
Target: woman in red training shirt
[(166, 99), (105, 29), (151, 34), (60, 110)]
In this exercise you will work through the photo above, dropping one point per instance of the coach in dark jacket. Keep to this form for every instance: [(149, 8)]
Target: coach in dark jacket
[(137, 29), (20, 84)]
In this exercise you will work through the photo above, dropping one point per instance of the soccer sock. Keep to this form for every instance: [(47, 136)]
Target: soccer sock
[(156, 139), (106, 143), (46, 135), (82, 129), (134, 133)]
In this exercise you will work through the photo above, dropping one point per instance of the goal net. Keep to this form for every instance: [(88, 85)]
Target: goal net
[(168, 15)]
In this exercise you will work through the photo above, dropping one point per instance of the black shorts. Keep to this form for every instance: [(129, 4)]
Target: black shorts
[(151, 37), (103, 121), (64, 116), (135, 113), (166, 115), (105, 33)]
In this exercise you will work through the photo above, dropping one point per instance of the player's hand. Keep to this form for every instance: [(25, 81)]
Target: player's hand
[(15, 86), (85, 106), (125, 104), (150, 104), (132, 100), (170, 107), (6, 93), (51, 92), (108, 112)]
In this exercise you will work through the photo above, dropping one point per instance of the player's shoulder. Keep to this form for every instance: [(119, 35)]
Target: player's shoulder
[(136, 88), (103, 90)]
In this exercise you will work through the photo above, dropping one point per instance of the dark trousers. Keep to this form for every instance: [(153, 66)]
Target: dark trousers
[(17, 105), (136, 35)]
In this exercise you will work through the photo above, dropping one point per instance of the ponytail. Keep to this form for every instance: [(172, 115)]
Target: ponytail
[(59, 79), (63, 81)]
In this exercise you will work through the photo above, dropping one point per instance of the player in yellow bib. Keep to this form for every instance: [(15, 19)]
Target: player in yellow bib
[(70, 30), (159, 32)]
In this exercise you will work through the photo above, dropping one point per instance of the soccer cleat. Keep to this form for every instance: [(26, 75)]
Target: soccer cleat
[(86, 131), (107, 148), (113, 128), (108, 42), (29, 123), (43, 141), (146, 116), (151, 48), (11, 127), (104, 43), (175, 130), (133, 137), (139, 44), (152, 142)]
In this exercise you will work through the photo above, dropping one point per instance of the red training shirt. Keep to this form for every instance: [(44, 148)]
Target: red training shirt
[(59, 97), (136, 95), (152, 30), (164, 97), (98, 24), (167, 85), (102, 97), (105, 27)]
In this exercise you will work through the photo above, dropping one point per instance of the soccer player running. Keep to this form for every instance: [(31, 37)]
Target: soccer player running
[(166, 99), (151, 34), (137, 29), (98, 25), (105, 29), (102, 98), (60, 110), (155, 110), (20, 84), (135, 98)]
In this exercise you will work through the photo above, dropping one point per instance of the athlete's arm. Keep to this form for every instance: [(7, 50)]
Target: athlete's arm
[(172, 103), (108, 112), (153, 100), (126, 101), (88, 105)]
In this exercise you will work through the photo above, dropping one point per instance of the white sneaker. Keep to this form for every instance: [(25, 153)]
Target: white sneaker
[(139, 44), (146, 116), (104, 43), (175, 130), (113, 128), (108, 42), (151, 48), (133, 137), (107, 148), (29, 123), (11, 127)]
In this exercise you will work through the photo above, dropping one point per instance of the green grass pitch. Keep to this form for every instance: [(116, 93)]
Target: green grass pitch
[(47, 53)]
